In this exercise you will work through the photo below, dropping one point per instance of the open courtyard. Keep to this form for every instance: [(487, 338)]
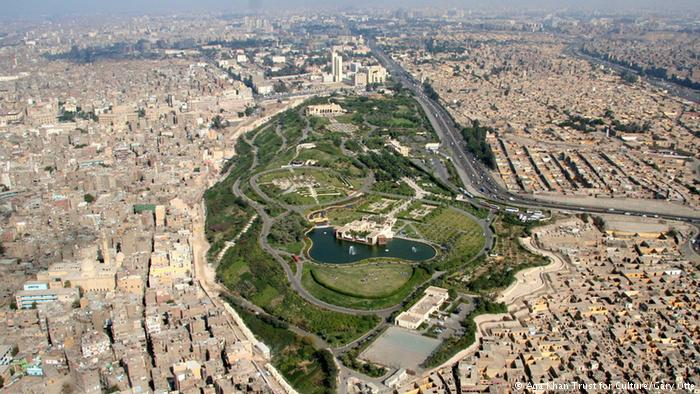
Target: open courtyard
[(400, 348)]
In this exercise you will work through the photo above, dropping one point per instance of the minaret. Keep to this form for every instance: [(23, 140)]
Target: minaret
[(106, 255)]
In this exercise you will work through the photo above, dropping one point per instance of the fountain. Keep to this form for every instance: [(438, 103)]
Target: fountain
[(326, 248)]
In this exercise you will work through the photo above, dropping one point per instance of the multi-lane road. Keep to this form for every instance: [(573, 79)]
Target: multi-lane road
[(475, 177)]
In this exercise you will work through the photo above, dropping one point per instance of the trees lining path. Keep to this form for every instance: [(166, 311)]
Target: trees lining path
[(294, 278), (259, 204)]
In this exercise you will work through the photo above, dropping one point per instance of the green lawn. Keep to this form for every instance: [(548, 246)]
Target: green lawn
[(247, 270), (341, 216), (459, 234), (347, 288), (326, 154), (365, 280)]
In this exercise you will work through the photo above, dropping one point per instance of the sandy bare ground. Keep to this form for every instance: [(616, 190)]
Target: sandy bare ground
[(531, 281)]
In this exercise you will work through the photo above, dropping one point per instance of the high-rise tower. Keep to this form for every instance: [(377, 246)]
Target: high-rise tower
[(337, 65)]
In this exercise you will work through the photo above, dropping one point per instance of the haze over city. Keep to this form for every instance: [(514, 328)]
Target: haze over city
[(269, 196), (47, 8)]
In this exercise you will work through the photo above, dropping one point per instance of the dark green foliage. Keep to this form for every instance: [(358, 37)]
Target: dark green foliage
[(305, 368), (581, 123), (287, 230), (629, 77), (288, 69), (495, 280), (430, 91), (599, 223), (349, 359), (475, 137), (352, 146), (632, 127), (325, 359), (248, 270), (218, 122), (388, 167)]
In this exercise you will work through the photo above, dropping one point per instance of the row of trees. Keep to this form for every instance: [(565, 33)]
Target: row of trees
[(387, 167), (581, 123), (430, 91), (475, 137)]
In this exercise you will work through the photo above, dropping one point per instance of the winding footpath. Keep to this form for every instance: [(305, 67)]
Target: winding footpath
[(531, 281), (261, 202)]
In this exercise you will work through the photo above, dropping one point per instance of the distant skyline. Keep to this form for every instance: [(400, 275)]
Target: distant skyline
[(52, 8)]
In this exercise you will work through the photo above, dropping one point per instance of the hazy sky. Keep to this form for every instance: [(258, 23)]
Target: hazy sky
[(29, 8)]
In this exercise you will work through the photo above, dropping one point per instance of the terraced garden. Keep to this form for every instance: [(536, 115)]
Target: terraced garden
[(306, 186)]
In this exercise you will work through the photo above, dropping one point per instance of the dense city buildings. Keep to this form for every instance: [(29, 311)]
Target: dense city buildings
[(421, 200)]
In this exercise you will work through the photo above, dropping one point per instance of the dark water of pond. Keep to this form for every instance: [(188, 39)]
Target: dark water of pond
[(327, 249)]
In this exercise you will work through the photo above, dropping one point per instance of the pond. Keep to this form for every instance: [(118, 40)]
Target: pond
[(327, 249)]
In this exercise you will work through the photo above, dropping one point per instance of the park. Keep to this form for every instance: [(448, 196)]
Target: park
[(347, 227)]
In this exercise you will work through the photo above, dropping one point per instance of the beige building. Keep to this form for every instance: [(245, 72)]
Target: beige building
[(337, 67), (88, 275), (325, 110), (376, 74), (415, 316), (360, 79), (366, 231), (169, 262), (40, 292)]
